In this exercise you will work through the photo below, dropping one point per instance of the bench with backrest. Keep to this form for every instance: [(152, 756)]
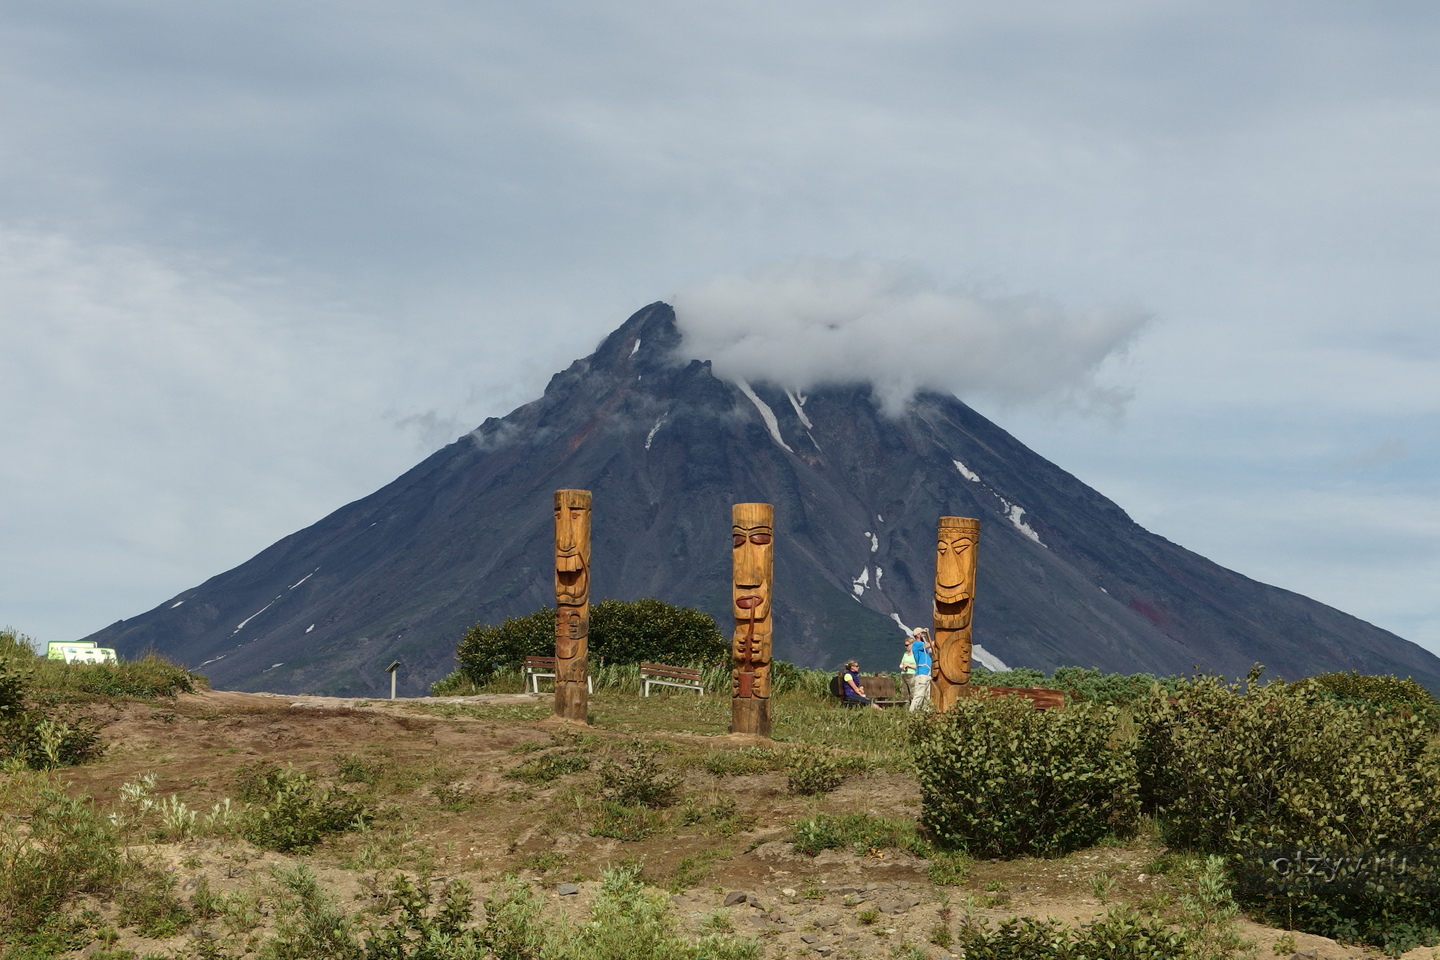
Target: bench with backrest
[(667, 676), (878, 687), (538, 668)]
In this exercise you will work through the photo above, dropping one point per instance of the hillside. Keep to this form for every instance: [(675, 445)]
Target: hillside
[(1065, 576)]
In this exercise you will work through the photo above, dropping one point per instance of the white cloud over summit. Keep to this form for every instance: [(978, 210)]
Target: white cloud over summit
[(822, 321)]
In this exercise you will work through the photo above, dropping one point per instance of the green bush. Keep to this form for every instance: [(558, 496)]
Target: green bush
[(637, 779), (1079, 683), (999, 778), (621, 631), (1119, 936), (37, 737), (813, 772), (1324, 806), (289, 812), (69, 849), (1384, 693)]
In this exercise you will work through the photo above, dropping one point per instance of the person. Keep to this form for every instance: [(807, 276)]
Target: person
[(850, 687), (921, 650), (907, 666)]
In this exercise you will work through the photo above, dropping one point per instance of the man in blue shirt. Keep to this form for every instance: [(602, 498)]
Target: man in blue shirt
[(920, 650)]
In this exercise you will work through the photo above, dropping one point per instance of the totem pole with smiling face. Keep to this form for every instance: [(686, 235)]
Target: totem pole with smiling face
[(954, 607), (753, 555), (572, 603)]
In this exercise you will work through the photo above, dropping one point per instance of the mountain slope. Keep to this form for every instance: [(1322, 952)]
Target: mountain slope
[(1065, 576)]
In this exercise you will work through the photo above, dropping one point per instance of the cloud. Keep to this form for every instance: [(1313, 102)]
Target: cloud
[(821, 321)]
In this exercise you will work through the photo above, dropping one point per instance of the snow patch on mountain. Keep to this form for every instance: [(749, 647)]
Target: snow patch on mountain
[(766, 413), (653, 430), (987, 659), (861, 582), (797, 401), (966, 472), (1015, 513)]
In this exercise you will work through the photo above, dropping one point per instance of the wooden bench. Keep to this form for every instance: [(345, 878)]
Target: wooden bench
[(538, 668), (665, 676), (879, 688)]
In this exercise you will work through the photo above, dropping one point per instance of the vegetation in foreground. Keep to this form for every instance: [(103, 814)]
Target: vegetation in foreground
[(366, 845)]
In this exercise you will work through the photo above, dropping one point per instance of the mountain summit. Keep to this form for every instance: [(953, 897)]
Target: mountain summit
[(1065, 576)]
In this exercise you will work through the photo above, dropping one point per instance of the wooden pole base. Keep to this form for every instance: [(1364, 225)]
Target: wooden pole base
[(572, 701), (751, 716)]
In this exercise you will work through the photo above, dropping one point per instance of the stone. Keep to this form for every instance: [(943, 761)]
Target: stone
[(736, 897), (809, 938), (789, 892), (567, 890)]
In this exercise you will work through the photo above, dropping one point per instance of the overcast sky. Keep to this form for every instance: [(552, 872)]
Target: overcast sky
[(258, 258)]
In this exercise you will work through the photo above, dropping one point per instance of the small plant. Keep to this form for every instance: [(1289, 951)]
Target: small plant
[(289, 812), (868, 916), (746, 761), (812, 773), (638, 779), (941, 936), (1284, 945), (621, 822), (177, 818), (861, 833), (549, 766), (356, 769), (1101, 884)]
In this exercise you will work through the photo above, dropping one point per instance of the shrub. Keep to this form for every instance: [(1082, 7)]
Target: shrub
[(1122, 935), (1080, 683), (638, 780), (289, 812), (813, 772), (1384, 693), (38, 738), (999, 778), (621, 631), (1323, 806), (69, 849)]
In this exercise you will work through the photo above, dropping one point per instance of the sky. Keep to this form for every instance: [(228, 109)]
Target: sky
[(259, 258)]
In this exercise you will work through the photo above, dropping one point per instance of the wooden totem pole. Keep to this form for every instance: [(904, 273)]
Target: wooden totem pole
[(753, 530), (572, 603), (954, 607)]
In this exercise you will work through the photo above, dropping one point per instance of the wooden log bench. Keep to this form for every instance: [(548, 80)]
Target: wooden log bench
[(666, 676), (1039, 697), (881, 689), (538, 668)]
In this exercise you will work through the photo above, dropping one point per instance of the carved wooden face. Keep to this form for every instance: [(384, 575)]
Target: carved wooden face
[(572, 546), (752, 532), (955, 571)]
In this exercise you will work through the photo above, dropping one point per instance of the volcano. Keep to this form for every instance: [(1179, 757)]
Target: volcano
[(1065, 576)]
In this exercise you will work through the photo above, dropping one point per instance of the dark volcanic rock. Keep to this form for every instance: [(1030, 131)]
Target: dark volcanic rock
[(1065, 576)]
